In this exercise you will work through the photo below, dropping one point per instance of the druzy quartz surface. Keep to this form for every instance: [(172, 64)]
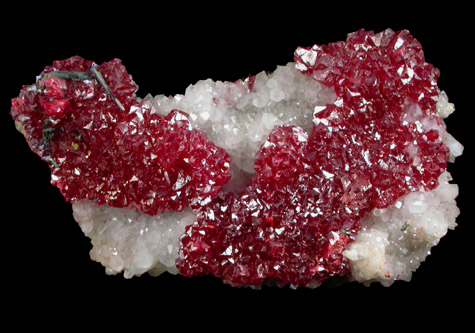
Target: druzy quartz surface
[(333, 165)]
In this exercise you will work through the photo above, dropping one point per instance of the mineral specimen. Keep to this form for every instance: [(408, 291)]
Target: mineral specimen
[(334, 165)]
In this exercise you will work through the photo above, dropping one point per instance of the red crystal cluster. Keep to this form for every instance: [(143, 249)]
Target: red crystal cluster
[(379, 140), (133, 158)]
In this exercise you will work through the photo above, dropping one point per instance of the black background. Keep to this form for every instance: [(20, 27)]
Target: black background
[(46, 256)]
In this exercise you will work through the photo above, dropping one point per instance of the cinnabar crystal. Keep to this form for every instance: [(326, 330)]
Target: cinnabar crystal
[(134, 158)]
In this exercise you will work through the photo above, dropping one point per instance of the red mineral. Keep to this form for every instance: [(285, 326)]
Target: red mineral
[(131, 158)]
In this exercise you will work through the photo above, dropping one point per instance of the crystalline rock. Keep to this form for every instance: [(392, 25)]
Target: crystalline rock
[(332, 165)]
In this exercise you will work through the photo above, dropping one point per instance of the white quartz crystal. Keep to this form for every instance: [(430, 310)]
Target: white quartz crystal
[(456, 148), (444, 108)]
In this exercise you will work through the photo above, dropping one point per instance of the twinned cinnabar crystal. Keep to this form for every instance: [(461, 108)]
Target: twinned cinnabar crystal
[(132, 158), (378, 141)]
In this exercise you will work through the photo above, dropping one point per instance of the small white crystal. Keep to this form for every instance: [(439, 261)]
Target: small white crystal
[(276, 95), (456, 148), (444, 108)]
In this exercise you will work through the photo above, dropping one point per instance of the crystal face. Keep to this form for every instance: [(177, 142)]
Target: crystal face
[(334, 165)]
